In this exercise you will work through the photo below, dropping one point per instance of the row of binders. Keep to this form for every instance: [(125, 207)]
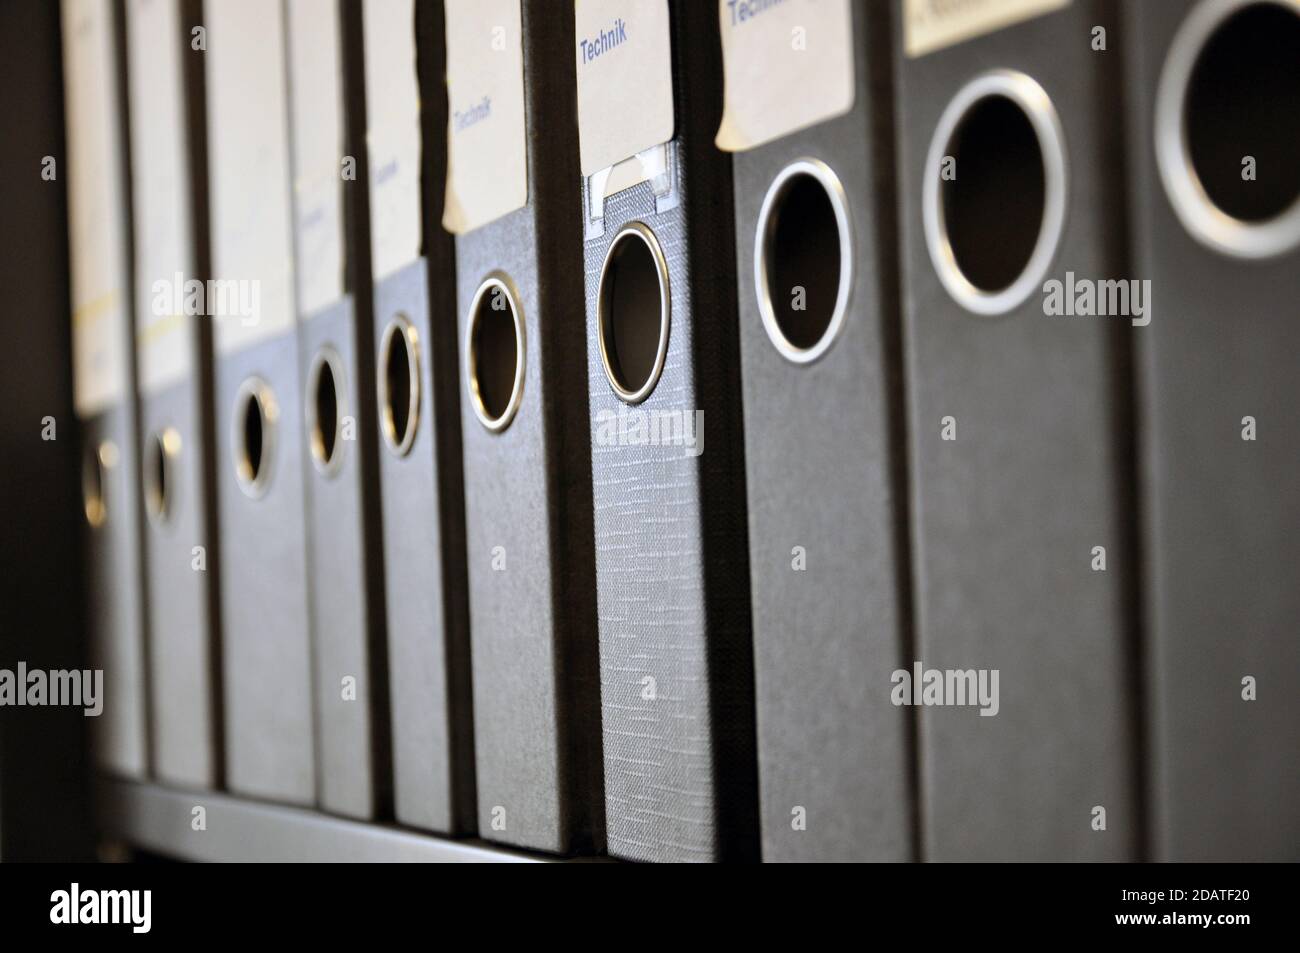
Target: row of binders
[(565, 423)]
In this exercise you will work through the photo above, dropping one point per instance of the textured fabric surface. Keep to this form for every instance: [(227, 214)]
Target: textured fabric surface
[(671, 558)]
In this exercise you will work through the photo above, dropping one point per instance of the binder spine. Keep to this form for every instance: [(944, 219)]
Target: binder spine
[(336, 350), (265, 601), (527, 485), (420, 478), (104, 368), (827, 502), (196, 135), (1216, 390), (176, 453), (1011, 412), (671, 552)]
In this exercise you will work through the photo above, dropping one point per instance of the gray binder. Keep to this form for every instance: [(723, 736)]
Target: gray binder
[(103, 378), (671, 552), (260, 457), (1219, 511), (336, 350), (827, 510), (418, 393), (174, 352), (527, 480), (1006, 516)]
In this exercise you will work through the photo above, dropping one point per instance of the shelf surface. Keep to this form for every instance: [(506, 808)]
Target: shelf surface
[(159, 819)]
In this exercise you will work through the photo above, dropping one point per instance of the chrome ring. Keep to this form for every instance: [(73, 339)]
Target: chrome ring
[(1033, 100), (159, 496), (256, 390), (400, 324), (498, 282), (635, 231), (830, 182), (327, 356), (1205, 221), (94, 475)]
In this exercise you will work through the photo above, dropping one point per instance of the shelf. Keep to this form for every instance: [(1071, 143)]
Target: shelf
[(158, 819)]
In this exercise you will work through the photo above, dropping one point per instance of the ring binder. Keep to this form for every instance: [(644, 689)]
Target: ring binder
[(264, 580)]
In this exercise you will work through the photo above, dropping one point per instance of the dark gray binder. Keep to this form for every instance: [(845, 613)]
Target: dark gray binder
[(1006, 516), (1219, 511), (104, 380), (527, 483), (336, 352), (259, 426), (827, 523), (420, 479), (671, 551), (175, 354)]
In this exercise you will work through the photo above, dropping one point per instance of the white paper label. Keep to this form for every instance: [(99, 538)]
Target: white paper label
[(96, 216), (250, 296), (787, 65), (623, 51), (316, 108), (934, 24), (160, 179), (487, 137), (393, 135)]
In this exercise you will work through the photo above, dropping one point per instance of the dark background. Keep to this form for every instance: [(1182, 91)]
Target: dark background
[(45, 778)]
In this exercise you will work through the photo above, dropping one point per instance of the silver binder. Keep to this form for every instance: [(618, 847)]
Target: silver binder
[(671, 556), (174, 350), (265, 606), (417, 386), (524, 417), (336, 358), (104, 380)]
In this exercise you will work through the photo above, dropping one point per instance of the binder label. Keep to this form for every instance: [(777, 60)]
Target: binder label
[(161, 192), (623, 51), (101, 330), (487, 143), (930, 25), (251, 296), (787, 65), (316, 105), (393, 136)]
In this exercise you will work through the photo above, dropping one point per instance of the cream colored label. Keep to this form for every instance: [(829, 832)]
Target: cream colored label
[(393, 134), (623, 51), (787, 64), (316, 108), (487, 139), (933, 24), (250, 296), (97, 230), (160, 186)]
